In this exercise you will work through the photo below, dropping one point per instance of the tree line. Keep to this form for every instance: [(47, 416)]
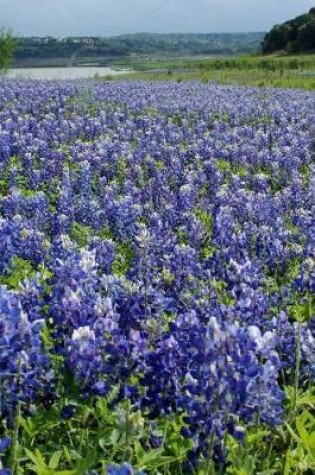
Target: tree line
[(40, 49), (293, 36)]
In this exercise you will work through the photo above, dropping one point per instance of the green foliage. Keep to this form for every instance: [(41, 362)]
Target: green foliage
[(123, 258), (182, 236), (20, 269), (253, 63), (206, 220), (40, 467), (207, 248), (140, 50), (105, 233), (7, 47), (168, 277), (220, 289), (121, 171), (98, 435), (294, 35), (248, 457), (301, 455), (80, 234), (228, 166), (283, 71)]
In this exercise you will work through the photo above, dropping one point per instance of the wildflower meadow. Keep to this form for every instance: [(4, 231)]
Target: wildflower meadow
[(157, 271)]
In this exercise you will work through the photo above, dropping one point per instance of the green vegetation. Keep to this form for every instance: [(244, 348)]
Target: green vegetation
[(297, 35), (250, 62), (20, 268), (97, 434), (260, 63), (130, 48), (276, 71), (7, 46)]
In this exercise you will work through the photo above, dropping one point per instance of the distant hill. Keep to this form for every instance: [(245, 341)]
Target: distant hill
[(293, 36), (79, 50)]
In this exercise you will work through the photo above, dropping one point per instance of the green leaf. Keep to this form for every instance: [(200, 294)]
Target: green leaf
[(311, 440), (291, 432), (304, 436), (236, 471), (67, 454), (267, 472), (151, 456), (85, 464), (37, 458), (254, 438), (80, 234), (55, 459), (29, 426), (154, 459), (311, 443), (114, 437)]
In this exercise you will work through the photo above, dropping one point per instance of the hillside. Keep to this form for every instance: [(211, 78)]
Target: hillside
[(79, 50), (294, 36)]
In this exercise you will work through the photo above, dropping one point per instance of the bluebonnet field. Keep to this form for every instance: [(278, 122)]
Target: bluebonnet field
[(157, 279)]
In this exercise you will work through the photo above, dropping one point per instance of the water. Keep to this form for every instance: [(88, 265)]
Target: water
[(64, 73)]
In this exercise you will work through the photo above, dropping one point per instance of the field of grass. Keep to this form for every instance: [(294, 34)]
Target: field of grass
[(297, 72)]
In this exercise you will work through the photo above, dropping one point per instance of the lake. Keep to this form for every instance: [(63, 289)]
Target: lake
[(64, 73)]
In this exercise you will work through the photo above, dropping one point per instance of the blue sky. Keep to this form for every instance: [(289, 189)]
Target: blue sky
[(110, 17)]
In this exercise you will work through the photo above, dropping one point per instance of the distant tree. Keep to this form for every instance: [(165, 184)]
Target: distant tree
[(7, 46), (296, 35), (306, 36), (277, 38)]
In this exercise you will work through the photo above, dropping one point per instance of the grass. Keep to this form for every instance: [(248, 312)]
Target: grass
[(296, 72)]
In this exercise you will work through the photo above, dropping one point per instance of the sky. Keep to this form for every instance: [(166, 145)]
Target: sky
[(61, 18)]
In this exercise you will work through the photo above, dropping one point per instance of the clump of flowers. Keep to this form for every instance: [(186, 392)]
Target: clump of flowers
[(25, 372)]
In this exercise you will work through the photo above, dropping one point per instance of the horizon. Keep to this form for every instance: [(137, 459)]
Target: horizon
[(103, 18), (157, 33)]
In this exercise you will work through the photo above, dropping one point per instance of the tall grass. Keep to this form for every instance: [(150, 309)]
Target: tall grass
[(297, 72)]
